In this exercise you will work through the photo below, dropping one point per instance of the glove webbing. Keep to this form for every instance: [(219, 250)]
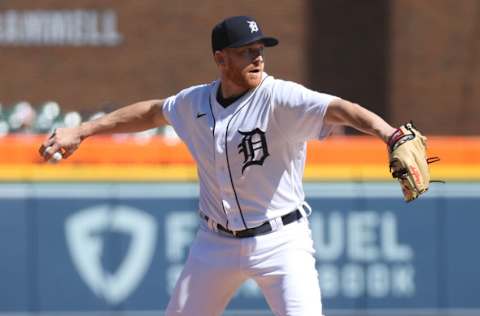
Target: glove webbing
[(402, 173), (432, 160)]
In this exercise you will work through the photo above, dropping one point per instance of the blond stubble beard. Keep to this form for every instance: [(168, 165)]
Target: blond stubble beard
[(240, 79)]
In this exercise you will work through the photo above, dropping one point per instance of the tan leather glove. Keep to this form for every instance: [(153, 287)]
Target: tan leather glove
[(407, 149)]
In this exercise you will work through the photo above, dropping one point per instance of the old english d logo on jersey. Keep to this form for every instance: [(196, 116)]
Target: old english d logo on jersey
[(253, 147)]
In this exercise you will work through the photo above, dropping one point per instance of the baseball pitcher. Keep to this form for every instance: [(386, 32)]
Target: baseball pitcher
[(247, 132)]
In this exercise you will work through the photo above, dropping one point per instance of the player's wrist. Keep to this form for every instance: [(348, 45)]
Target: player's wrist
[(394, 137), (389, 135), (85, 130)]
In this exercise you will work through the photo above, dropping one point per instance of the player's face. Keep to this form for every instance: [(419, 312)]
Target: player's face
[(244, 65)]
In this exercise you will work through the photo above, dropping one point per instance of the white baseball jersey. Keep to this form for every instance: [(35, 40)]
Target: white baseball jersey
[(250, 155)]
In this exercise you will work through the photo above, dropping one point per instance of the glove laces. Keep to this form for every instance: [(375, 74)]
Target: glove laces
[(431, 160)]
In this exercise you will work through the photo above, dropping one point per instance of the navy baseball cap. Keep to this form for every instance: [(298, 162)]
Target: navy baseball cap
[(238, 31)]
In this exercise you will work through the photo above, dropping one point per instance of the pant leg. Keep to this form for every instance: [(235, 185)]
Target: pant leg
[(286, 272), (209, 278)]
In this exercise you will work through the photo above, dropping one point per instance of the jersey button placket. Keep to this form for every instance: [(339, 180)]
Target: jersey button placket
[(225, 189), (226, 207), (221, 168)]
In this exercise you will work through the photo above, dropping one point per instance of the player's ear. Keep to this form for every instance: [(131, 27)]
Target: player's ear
[(219, 57)]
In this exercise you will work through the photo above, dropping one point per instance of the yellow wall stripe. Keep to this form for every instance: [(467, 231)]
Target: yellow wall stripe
[(140, 173)]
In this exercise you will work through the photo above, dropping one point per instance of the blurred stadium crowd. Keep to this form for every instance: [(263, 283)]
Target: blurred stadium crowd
[(25, 118)]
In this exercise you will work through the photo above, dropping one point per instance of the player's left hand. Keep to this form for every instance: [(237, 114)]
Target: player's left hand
[(63, 140), (407, 149)]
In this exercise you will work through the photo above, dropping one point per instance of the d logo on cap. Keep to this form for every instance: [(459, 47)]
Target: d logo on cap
[(232, 32), (253, 26)]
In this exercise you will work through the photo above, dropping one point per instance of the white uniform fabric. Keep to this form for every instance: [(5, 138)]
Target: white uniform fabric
[(281, 263), (250, 158), (250, 155)]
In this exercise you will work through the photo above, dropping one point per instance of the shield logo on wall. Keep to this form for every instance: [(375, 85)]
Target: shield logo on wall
[(85, 233)]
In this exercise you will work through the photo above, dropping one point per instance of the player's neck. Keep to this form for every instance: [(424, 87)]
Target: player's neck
[(230, 90), (226, 101)]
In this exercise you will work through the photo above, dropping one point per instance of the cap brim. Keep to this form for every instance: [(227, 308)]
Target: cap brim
[(267, 41)]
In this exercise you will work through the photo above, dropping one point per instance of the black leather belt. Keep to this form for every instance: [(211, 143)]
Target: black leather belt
[(263, 229)]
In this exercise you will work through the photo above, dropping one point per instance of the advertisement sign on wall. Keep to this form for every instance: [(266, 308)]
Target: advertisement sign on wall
[(94, 247)]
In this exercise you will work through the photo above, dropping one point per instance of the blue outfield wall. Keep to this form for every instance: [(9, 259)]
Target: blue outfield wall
[(120, 247)]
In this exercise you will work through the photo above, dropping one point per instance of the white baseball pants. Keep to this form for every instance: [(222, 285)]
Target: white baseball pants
[(281, 263)]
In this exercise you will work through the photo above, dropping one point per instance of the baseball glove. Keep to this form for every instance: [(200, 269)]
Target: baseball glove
[(407, 149)]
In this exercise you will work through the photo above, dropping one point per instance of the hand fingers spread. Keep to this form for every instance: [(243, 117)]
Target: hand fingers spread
[(41, 150), (48, 143), (61, 144), (53, 134), (69, 151), (50, 150)]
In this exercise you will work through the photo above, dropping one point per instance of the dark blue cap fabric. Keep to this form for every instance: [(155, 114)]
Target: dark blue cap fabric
[(238, 31)]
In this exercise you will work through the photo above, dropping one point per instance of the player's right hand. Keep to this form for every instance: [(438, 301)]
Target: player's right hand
[(62, 140)]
